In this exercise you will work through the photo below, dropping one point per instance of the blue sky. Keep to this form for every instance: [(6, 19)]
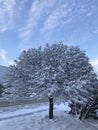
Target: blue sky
[(31, 23)]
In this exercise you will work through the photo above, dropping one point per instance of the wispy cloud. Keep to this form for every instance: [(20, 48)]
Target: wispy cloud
[(3, 54), (36, 13), (95, 31), (25, 35), (95, 64), (57, 18), (6, 14), (66, 12), (39, 17)]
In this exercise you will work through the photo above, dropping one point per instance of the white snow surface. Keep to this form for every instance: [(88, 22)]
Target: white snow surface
[(35, 117)]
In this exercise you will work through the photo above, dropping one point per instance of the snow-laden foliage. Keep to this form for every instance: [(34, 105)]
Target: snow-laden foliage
[(58, 70)]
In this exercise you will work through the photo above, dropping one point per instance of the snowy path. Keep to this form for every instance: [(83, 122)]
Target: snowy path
[(36, 118), (22, 112)]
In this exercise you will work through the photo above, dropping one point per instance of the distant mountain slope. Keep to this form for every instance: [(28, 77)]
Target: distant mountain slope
[(3, 71)]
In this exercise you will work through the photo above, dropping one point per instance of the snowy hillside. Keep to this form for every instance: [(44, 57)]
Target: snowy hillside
[(35, 117), (3, 71)]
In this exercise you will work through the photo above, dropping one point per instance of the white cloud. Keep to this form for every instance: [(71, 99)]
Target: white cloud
[(6, 14), (48, 13), (3, 29), (95, 64), (57, 18), (36, 12), (11, 62), (3, 54), (66, 12), (96, 31), (24, 35), (89, 14)]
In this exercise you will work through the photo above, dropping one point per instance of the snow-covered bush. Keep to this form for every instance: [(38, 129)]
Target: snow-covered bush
[(58, 70)]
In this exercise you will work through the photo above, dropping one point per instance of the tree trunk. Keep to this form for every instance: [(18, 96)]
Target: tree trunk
[(50, 107), (81, 112)]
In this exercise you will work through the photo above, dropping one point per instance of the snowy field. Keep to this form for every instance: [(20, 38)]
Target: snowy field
[(35, 117)]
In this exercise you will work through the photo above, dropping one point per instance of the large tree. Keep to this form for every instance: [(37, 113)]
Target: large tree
[(58, 70)]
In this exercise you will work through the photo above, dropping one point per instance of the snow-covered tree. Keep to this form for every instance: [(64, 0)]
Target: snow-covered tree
[(58, 70)]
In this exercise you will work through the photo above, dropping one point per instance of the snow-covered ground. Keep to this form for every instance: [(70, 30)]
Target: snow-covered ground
[(35, 117)]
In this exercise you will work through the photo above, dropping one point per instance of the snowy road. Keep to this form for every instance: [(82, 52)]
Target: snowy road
[(36, 118), (22, 111)]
